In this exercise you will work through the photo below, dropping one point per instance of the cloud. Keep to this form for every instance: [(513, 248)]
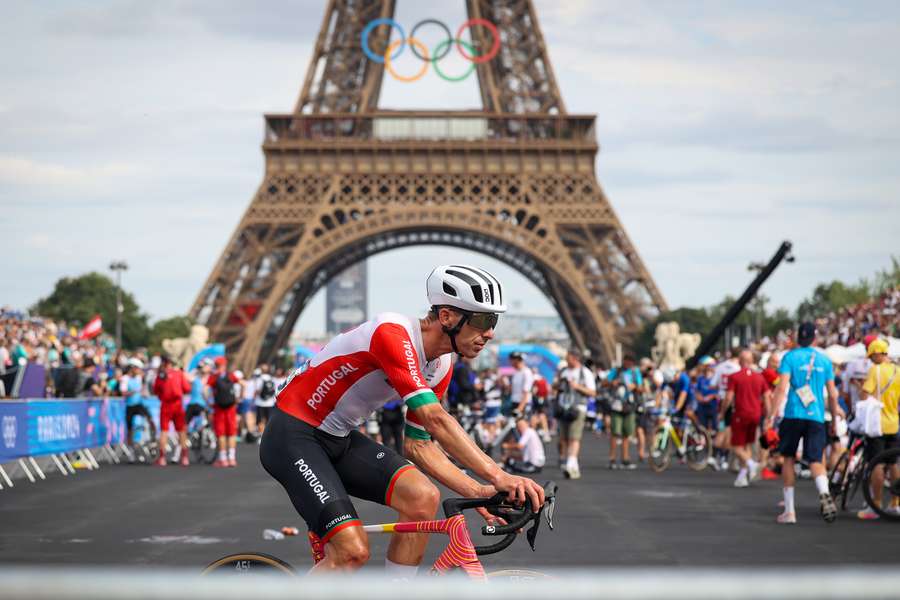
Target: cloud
[(111, 20), (27, 173)]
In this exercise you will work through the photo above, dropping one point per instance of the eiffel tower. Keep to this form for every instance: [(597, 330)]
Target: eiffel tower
[(345, 180)]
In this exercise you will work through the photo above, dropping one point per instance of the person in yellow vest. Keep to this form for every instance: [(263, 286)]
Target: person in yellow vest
[(882, 382)]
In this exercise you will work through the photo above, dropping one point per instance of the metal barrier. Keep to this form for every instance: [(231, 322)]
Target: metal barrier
[(51, 583)]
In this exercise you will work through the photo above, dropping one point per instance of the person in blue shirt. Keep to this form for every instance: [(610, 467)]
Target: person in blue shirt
[(805, 375), (132, 386)]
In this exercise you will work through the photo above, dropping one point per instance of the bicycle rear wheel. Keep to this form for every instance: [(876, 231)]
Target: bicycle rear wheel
[(889, 493), (203, 445), (698, 449), (836, 480), (248, 563), (661, 450)]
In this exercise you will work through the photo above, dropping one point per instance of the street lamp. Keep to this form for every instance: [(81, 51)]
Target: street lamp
[(117, 267)]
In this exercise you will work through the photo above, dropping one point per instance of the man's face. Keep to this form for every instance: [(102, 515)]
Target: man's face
[(521, 425), (469, 341), (879, 358), (572, 360)]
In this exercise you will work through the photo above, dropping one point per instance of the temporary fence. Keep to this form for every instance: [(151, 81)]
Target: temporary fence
[(31, 583), (40, 435)]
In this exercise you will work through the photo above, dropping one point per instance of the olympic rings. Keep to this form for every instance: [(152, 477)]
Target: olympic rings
[(413, 42), (395, 48), (495, 47), (367, 30), (447, 43), (437, 55)]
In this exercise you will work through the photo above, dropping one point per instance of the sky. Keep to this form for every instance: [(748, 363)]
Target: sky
[(131, 130)]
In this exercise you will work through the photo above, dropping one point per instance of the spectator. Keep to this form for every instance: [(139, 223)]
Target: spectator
[(625, 383), (882, 382), (805, 374), (748, 391), (225, 386), (720, 380), (265, 398), (170, 386), (574, 385), (132, 387), (539, 406), (522, 382), (525, 455)]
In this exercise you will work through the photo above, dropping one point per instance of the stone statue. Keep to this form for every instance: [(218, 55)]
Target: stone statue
[(181, 350), (673, 348)]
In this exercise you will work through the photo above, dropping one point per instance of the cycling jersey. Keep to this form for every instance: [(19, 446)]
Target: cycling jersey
[(360, 371)]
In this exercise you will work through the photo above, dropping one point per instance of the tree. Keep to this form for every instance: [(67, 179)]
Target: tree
[(173, 327), (831, 297), (887, 279), (77, 299)]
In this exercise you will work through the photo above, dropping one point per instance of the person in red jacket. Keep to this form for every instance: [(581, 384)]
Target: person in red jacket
[(170, 387), (750, 394)]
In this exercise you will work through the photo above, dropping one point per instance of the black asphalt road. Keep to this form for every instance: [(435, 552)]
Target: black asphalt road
[(141, 515)]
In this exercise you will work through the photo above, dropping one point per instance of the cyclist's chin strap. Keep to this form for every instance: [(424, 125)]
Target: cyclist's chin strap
[(452, 331)]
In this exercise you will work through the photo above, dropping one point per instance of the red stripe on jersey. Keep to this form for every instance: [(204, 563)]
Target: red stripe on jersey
[(315, 392), (441, 388), (397, 357)]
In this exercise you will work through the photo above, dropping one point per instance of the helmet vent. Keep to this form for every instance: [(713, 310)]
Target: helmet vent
[(448, 289)]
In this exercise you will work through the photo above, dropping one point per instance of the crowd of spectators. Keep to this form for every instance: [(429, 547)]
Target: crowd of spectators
[(852, 324)]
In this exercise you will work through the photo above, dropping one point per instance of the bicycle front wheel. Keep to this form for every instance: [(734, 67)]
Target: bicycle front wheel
[(698, 449), (248, 563), (836, 480), (890, 493), (661, 450)]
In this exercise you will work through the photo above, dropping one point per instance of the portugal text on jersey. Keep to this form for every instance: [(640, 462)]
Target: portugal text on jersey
[(359, 371)]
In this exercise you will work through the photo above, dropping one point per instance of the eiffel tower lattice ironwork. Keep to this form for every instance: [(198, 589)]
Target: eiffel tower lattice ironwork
[(345, 180)]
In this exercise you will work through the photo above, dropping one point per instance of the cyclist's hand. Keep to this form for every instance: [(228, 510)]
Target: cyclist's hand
[(519, 489), (489, 518)]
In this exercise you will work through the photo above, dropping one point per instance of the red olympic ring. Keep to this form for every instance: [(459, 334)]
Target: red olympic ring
[(495, 47)]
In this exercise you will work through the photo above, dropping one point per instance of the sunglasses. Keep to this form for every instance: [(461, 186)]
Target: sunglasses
[(482, 321)]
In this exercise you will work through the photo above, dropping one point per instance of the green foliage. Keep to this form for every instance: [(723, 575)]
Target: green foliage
[(830, 297), (77, 299), (173, 327), (887, 279)]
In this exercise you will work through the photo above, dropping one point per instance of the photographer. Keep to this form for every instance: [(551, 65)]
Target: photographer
[(573, 386), (625, 382)]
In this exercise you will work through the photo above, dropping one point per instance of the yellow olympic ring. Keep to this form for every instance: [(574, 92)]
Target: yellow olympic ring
[(412, 42)]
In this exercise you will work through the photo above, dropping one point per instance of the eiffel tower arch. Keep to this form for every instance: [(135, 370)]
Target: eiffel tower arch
[(344, 181)]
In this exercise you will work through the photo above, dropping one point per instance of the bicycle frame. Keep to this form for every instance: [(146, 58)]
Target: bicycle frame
[(460, 552)]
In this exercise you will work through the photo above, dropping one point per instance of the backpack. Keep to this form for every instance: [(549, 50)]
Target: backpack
[(267, 390), (223, 391)]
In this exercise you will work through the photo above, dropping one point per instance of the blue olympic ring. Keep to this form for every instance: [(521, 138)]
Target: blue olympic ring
[(367, 30)]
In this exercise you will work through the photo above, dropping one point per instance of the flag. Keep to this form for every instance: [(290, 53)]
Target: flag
[(92, 329)]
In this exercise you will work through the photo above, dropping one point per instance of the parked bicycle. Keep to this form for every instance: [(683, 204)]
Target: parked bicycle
[(847, 475), (460, 552), (693, 444), (888, 463)]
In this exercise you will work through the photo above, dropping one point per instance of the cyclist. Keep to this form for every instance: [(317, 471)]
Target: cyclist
[(312, 448)]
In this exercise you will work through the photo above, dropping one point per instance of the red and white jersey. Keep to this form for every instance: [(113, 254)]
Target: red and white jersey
[(359, 371)]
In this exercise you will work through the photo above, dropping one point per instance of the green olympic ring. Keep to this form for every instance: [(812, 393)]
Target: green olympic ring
[(446, 44)]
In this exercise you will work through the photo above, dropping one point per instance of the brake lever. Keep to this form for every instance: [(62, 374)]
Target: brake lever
[(531, 534)]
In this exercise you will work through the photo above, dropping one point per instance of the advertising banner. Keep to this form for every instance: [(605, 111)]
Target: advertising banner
[(39, 427)]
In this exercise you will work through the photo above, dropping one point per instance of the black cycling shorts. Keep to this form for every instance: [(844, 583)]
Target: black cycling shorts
[(320, 471)]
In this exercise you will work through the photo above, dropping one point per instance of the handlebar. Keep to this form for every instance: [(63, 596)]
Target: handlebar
[(517, 517)]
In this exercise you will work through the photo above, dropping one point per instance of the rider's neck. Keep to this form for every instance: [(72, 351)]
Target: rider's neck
[(434, 341)]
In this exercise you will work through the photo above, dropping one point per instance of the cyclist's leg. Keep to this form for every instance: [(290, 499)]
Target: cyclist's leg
[(300, 459), (377, 473)]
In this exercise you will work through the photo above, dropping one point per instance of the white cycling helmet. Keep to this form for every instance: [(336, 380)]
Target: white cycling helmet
[(464, 287)]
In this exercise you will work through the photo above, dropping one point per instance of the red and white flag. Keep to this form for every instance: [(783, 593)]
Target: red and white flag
[(92, 329)]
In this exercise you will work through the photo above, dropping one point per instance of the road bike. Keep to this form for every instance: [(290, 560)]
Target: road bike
[(847, 475), (890, 494), (460, 554), (694, 444), (201, 439)]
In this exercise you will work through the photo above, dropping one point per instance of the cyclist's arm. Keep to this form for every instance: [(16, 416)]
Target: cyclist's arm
[(431, 459), (682, 397), (453, 438)]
